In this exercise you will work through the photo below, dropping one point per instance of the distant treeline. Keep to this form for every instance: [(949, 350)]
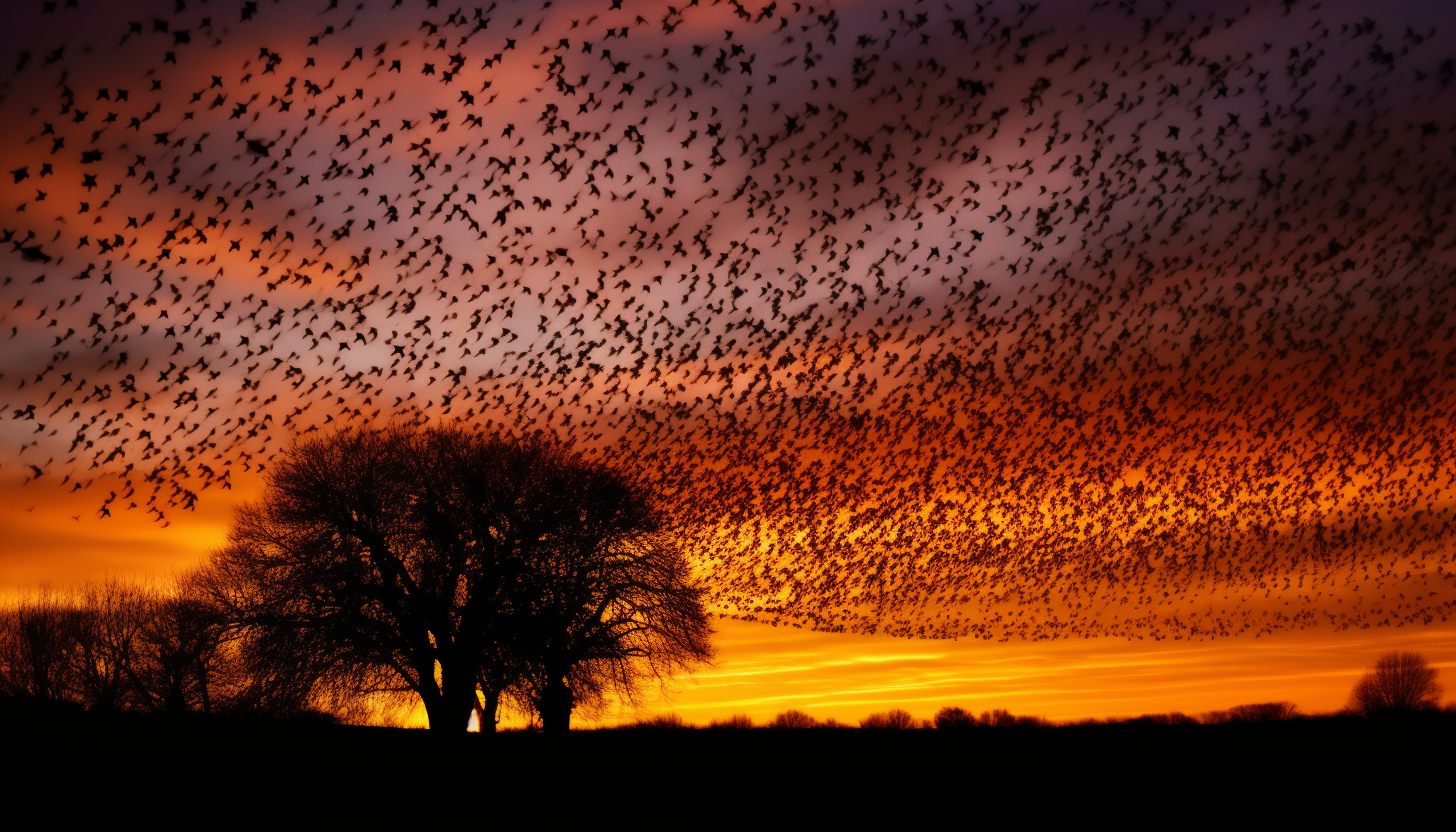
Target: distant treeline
[(1400, 683), (958, 718), (117, 646), (951, 718)]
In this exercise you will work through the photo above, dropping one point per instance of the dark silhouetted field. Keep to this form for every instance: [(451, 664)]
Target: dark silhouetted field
[(73, 766)]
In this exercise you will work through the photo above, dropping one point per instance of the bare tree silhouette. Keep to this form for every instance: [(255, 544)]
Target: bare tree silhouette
[(179, 653), (1263, 712), (952, 717), (36, 646), (793, 718), (110, 646), (1002, 718), (668, 721), (1400, 682), (1172, 718), (895, 718), (604, 601), (108, 620), (459, 568), (334, 585)]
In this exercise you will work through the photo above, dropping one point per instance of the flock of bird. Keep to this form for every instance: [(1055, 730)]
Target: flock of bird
[(996, 319)]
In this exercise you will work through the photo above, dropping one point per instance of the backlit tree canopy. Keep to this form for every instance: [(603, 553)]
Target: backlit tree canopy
[(937, 319), (442, 562)]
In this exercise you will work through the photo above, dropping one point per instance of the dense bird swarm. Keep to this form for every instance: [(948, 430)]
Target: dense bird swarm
[(938, 319)]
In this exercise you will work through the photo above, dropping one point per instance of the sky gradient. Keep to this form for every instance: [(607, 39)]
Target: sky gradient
[(1060, 329)]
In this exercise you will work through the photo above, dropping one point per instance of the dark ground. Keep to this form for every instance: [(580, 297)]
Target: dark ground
[(63, 766)]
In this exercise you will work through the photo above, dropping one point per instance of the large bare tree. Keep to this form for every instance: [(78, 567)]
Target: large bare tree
[(458, 566), (606, 601)]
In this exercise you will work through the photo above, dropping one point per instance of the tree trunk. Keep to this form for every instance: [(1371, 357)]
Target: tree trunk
[(449, 709), (555, 706), (202, 685), (176, 700), (489, 711), (437, 712)]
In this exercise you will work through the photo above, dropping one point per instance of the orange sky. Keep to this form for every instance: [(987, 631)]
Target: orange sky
[(763, 670), (825, 468)]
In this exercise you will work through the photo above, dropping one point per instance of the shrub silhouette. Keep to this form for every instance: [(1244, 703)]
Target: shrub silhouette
[(893, 719), (736, 722), (793, 718), (1263, 712), (1400, 682), (1002, 718), (951, 717), (1172, 718), (658, 722)]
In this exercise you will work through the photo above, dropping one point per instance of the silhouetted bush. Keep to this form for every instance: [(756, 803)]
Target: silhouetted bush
[(951, 717), (735, 722), (1173, 718), (892, 719), (1263, 712), (793, 718), (1254, 712), (658, 722), (1401, 682), (1002, 718)]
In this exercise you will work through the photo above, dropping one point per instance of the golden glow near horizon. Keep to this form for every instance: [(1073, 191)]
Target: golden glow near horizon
[(764, 670)]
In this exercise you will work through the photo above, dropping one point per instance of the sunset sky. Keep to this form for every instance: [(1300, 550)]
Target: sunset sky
[(1082, 359)]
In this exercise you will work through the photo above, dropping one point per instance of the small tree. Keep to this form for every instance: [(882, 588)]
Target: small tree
[(999, 718), (109, 619), (896, 718), (37, 647), (179, 655), (1173, 718), (667, 721), (952, 717), (793, 718), (1400, 682), (1002, 718), (736, 722), (111, 646), (1262, 712)]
